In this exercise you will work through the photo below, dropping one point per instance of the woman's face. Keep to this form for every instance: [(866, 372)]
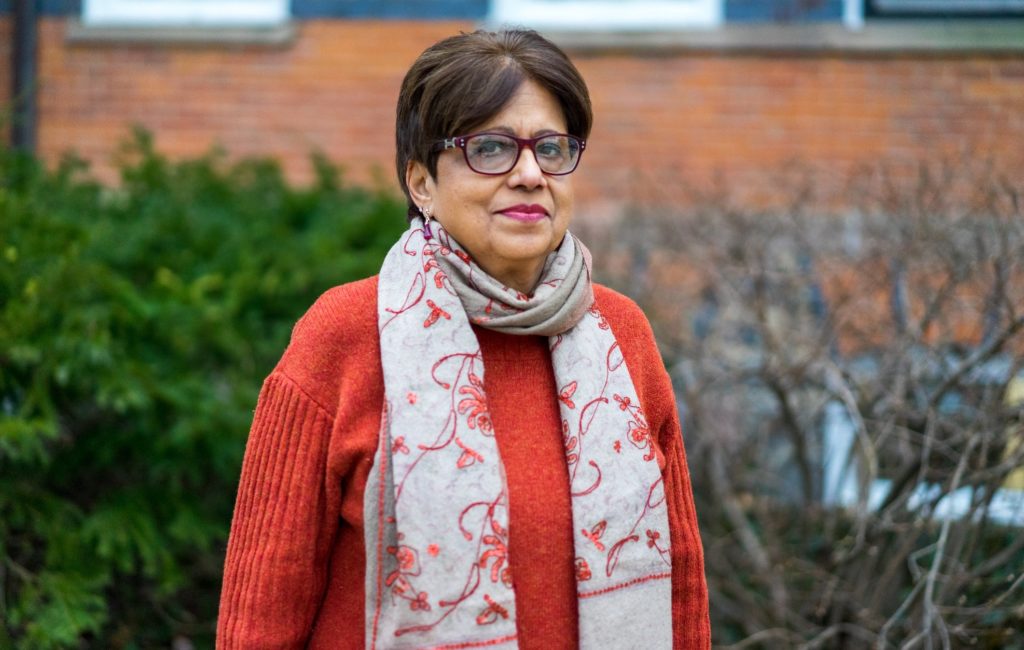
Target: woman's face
[(508, 223)]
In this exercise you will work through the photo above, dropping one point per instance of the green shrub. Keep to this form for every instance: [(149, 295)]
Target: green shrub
[(136, 325)]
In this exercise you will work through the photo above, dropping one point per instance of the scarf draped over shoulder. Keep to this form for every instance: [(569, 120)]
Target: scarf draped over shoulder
[(436, 502)]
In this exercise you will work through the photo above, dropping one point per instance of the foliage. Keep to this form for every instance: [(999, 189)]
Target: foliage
[(135, 326), (845, 382)]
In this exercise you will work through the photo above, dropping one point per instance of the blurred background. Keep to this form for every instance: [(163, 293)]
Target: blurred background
[(819, 204)]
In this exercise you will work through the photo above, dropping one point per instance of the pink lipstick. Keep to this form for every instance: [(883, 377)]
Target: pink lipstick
[(523, 212)]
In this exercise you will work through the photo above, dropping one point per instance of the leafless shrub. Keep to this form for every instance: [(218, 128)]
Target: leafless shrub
[(846, 386)]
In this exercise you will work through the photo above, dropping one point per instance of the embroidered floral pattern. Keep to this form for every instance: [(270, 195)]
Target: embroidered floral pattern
[(595, 533), (474, 406), (400, 580), (582, 570), (441, 555), (491, 613), (497, 555), (638, 433)]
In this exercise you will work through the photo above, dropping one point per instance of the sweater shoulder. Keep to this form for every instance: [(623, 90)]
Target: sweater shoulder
[(628, 322), (635, 337), (340, 311), (617, 305), (336, 336)]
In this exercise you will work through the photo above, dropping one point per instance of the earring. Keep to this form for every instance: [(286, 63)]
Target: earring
[(427, 232)]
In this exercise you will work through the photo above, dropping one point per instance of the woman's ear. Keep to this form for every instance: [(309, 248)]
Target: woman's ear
[(420, 183)]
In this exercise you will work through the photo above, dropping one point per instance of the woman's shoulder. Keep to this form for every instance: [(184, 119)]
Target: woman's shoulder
[(636, 339), (620, 309), (341, 310), (337, 334)]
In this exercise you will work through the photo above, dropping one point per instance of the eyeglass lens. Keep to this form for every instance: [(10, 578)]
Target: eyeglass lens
[(493, 153)]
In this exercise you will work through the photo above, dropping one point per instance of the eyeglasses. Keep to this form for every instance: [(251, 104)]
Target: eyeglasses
[(494, 154)]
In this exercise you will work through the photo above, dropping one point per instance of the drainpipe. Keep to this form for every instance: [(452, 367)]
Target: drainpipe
[(23, 128)]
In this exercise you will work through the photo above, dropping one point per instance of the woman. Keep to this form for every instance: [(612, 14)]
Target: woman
[(478, 447)]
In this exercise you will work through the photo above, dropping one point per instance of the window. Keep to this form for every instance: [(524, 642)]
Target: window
[(841, 471), (607, 14), (939, 8), (173, 13)]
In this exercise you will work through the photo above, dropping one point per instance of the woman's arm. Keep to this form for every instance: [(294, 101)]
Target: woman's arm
[(275, 572), (691, 626)]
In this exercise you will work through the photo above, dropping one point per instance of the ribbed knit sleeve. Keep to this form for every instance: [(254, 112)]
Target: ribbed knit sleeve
[(691, 624), (275, 571)]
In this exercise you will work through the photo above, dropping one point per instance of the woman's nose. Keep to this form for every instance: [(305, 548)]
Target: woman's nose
[(527, 172)]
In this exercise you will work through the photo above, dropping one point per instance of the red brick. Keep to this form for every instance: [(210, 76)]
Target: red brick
[(678, 119)]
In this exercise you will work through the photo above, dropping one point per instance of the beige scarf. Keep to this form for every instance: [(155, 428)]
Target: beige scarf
[(436, 502)]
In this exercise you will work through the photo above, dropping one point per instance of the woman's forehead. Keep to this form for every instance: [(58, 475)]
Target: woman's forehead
[(531, 110)]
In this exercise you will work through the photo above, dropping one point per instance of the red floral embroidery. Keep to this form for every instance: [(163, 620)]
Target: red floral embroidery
[(468, 456), (491, 613), (595, 533), (652, 538), (420, 602), (640, 436), (638, 433), (617, 446), (433, 550), (429, 264), (399, 446), (398, 584), (435, 313), (398, 580), (475, 405), (596, 313), (654, 500), (499, 554), (571, 443), (411, 397), (613, 554), (583, 572), (406, 557), (571, 457), (429, 261), (565, 395)]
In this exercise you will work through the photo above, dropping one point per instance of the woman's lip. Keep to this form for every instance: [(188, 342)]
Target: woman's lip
[(525, 212)]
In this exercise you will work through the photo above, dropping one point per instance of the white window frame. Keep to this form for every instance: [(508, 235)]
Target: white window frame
[(947, 7), (182, 13), (639, 15)]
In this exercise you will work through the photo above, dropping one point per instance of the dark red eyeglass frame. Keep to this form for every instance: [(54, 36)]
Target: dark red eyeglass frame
[(459, 142)]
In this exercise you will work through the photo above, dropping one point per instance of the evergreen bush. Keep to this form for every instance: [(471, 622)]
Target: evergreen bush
[(136, 325)]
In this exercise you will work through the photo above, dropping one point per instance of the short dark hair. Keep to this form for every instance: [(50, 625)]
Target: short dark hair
[(462, 81)]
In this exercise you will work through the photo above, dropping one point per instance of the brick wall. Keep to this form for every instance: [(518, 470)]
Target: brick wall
[(661, 121), (748, 117), (333, 89)]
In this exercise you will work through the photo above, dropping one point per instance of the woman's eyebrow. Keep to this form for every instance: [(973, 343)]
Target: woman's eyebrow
[(509, 130)]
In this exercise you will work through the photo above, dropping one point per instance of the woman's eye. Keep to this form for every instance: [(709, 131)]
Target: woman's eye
[(489, 147), (550, 149)]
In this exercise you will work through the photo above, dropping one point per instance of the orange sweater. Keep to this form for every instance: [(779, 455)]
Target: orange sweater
[(295, 569)]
